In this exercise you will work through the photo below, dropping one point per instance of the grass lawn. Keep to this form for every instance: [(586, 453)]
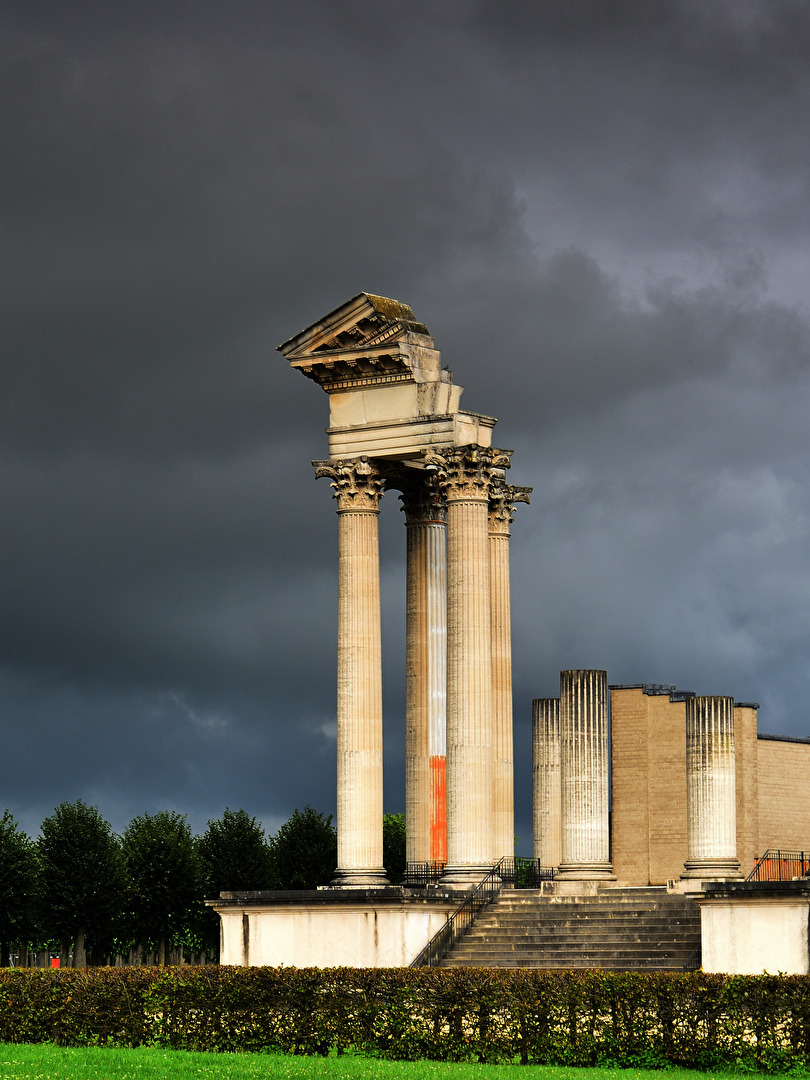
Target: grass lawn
[(46, 1062)]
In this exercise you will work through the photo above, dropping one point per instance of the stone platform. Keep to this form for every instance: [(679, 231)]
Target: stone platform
[(329, 927)]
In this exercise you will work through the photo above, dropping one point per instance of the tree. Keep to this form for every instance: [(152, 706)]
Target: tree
[(163, 871), (304, 851), (18, 887), (82, 880), (234, 856), (394, 847)]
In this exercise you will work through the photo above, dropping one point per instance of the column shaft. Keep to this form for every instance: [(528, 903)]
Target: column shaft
[(501, 512), (469, 691), (546, 817), (584, 775), (359, 692), (503, 784), (465, 475), (711, 796), (425, 679)]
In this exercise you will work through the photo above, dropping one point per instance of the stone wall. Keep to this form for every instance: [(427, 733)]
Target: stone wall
[(783, 774), (648, 821)]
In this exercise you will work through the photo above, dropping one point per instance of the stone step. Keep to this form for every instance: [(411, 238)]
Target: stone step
[(570, 918), (619, 930), (497, 941), (628, 948), (649, 964)]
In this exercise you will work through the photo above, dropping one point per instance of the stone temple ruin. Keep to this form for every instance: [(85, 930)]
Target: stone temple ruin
[(661, 794), (395, 423)]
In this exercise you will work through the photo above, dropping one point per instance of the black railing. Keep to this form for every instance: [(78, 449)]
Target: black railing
[(777, 865), (694, 961), (517, 871), (420, 874), (523, 873), (459, 921)]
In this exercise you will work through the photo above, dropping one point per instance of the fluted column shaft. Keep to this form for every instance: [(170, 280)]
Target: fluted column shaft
[(358, 490), (501, 513), (503, 792), (711, 795), (425, 676), (465, 477), (584, 775), (546, 802)]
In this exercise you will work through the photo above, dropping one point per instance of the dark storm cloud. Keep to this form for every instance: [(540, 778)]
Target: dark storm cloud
[(599, 210)]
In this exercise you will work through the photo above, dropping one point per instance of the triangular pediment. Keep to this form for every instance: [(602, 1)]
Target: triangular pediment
[(364, 322)]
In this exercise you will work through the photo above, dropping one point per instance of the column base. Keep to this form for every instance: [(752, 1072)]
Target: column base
[(464, 876), (362, 878), (712, 869), (580, 871)]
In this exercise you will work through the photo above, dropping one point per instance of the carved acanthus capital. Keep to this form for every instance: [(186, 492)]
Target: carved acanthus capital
[(422, 499), (468, 472), (356, 482), (502, 501)]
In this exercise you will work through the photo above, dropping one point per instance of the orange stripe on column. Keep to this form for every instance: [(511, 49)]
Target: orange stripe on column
[(438, 808)]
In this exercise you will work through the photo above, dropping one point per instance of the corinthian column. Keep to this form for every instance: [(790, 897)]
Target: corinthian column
[(358, 489), (425, 668), (546, 781), (465, 475), (584, 775), (711, 796), (501, 513)]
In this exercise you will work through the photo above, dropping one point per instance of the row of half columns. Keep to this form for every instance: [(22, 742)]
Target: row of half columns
[(458, 663), (570, 774), (570, 777)]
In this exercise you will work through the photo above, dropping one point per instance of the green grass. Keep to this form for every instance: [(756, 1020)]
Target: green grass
[(46, 1062)]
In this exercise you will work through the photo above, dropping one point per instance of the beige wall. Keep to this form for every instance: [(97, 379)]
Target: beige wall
[(783, 767), (648, 744), (326, 933), (745, 748), (648, 822)]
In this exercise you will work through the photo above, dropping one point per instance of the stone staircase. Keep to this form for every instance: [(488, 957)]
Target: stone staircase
[(617, 930)]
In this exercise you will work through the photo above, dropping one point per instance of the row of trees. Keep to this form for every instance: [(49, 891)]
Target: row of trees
[(79, 888)]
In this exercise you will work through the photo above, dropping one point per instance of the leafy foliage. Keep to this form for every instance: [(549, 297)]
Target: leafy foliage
[(576, 1018), (304, 851), (18, 886), (164, 877), (394, 847), (81, 877), (235, 854)]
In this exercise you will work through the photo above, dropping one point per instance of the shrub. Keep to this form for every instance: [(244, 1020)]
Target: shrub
[(580, 1018)]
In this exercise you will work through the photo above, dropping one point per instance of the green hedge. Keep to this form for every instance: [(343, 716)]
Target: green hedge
[(537, 1017)]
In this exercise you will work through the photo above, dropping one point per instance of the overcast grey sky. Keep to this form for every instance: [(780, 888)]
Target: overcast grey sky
[(599, 209)]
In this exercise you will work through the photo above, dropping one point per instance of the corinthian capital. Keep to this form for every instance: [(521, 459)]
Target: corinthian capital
[(468, 472), (502, 499), (420, 494), (357, 483)]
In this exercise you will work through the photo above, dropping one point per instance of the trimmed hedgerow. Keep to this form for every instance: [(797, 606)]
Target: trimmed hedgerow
[(478, 1014)]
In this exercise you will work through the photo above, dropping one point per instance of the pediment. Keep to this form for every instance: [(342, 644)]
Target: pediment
[(364, 323)]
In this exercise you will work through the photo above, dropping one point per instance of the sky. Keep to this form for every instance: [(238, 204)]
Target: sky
[(601, 211)]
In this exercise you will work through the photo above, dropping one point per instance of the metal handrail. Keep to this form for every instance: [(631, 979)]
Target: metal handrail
[(521, 872), (460, 920), (694, 960), (778, 865), (418, 875)]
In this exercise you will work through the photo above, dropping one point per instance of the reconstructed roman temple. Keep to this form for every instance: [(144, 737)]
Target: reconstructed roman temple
[(395, 423), (633, 785)]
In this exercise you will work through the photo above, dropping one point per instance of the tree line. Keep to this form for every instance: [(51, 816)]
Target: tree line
[(82, 891)]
